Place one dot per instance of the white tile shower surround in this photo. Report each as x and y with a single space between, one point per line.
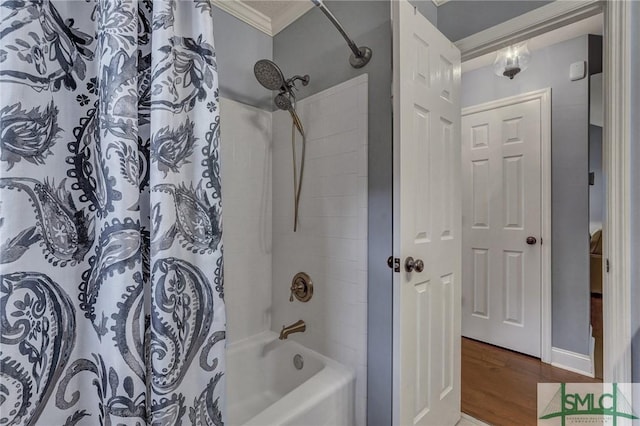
331 242
246 215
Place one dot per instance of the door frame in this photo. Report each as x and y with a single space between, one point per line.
616 158
616 152
544 95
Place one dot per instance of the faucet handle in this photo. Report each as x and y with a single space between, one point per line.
301 287
296 288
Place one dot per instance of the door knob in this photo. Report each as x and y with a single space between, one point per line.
411 264
531 240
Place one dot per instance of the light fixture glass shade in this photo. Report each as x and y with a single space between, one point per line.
512 60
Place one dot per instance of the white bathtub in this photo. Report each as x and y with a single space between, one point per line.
265 389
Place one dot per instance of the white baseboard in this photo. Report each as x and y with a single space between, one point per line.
572 361
466 419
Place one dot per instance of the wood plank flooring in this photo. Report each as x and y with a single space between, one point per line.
500 386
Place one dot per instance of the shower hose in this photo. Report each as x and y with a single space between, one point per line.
297 184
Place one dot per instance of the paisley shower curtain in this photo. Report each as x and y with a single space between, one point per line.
111 294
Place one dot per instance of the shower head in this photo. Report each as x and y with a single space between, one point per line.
269 75
282 101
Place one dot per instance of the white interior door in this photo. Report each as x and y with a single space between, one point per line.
502 222
427 221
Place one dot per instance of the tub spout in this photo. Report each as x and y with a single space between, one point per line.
297 327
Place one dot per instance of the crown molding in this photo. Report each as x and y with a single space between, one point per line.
293 12
526 26
439 2
259 20
246 13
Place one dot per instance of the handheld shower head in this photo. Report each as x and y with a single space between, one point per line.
283 102
269 75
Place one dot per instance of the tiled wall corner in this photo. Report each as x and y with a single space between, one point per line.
331 242
245 139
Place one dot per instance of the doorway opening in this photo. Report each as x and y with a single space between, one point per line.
530 220
422 69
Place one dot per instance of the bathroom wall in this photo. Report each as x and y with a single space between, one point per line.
331 242
238 47
312 45
570 190
245 158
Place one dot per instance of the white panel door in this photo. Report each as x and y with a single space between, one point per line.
427 220
502 223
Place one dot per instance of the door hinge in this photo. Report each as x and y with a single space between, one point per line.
394 263
607 265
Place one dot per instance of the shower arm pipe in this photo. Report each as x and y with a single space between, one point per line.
361 55
303 78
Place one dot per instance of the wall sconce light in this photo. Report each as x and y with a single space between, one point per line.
511 60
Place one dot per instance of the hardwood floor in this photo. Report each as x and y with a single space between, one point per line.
500 386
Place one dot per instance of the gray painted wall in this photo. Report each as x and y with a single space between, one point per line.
635 197
461 18
570 191
311 45
238 47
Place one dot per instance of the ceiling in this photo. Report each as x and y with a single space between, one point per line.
272 9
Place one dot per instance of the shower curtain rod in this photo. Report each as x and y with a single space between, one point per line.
361 55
